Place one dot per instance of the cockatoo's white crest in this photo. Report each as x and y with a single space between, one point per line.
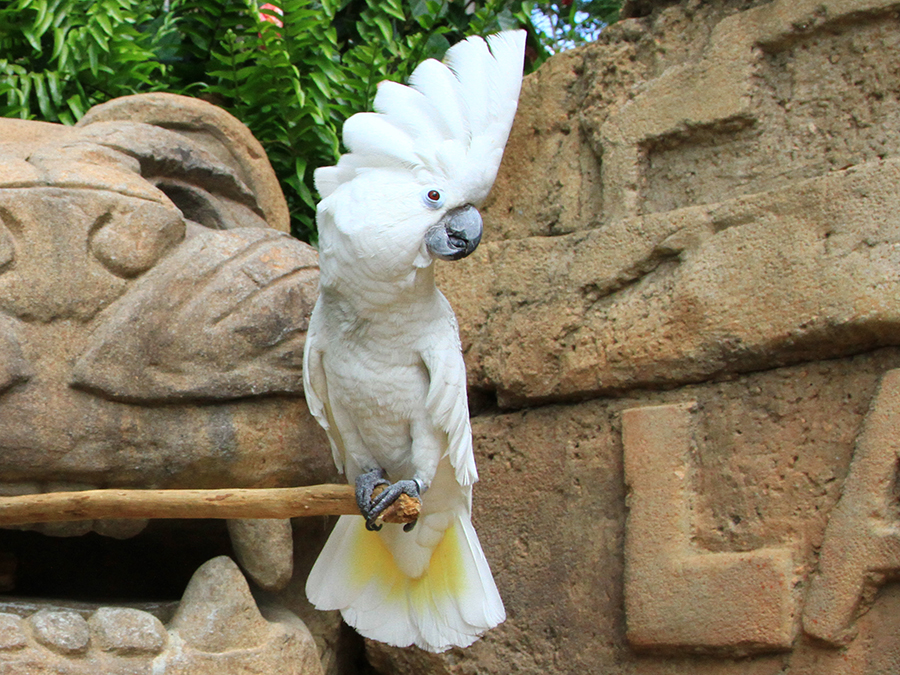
452 120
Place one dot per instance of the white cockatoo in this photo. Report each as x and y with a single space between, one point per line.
383 368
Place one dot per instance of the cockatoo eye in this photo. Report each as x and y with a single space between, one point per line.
433 198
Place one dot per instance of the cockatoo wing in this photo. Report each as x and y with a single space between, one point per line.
315 386
446 400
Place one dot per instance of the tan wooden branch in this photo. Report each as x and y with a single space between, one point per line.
313 500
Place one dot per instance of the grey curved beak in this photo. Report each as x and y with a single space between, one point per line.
456 235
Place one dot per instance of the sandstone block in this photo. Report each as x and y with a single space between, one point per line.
127 632
675 596
862 542
63 631
265 550
12 632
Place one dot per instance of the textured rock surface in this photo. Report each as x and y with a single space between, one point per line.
152 321
127 631
12 632
769 209
265 550
64 631
216 629
139 273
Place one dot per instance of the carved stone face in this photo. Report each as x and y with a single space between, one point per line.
151 320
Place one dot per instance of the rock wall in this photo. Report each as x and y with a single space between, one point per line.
681 335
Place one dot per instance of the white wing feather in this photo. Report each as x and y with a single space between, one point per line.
315 387
447 402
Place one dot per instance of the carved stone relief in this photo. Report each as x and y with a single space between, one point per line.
861 549
743 601
153 311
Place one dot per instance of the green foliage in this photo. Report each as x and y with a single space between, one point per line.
283 82
295 84
59 57
568 23
292 76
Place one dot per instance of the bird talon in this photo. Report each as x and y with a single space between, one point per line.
371 507
413 488
365 485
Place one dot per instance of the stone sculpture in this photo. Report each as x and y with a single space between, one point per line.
153 311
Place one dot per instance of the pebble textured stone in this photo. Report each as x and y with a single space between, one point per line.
128 632
61 630
12 632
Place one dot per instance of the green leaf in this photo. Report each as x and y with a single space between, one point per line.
93 59
300 165
53 86
76 106
384 25
24 96
42 14
33 39
394 9
40 90
100 40
103 20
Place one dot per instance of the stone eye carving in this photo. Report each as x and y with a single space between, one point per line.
218 302
131 243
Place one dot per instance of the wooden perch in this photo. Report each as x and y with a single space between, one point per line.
313 500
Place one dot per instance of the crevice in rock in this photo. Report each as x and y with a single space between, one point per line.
152 566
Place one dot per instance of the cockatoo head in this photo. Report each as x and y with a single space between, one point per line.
418 167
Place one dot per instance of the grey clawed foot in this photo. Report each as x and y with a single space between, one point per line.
370 510
365 485
413 488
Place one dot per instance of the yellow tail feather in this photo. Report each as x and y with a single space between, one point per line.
444 576
450 604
